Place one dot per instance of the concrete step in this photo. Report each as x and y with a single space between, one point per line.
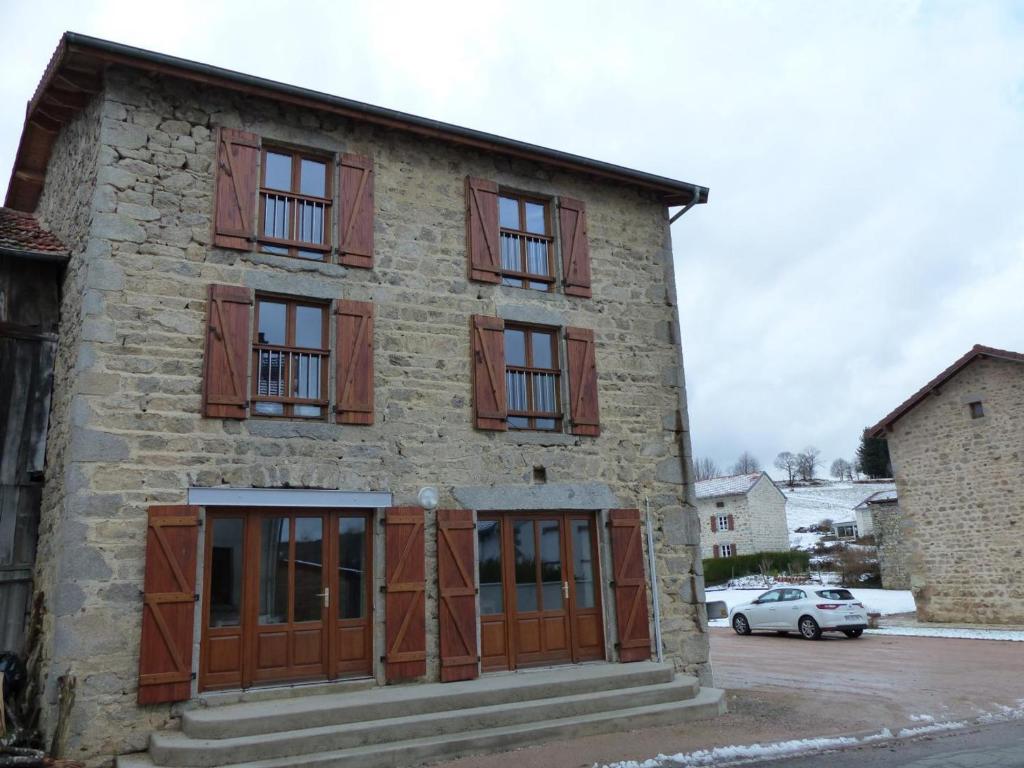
417 751
177 749
264 717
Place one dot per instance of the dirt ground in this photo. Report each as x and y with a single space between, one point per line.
786 688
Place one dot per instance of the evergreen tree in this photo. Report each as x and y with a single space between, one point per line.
873 457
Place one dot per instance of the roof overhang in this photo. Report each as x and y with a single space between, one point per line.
75 74
978 351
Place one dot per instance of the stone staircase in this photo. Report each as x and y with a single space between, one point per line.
414 724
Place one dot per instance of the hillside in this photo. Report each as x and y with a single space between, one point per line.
834 501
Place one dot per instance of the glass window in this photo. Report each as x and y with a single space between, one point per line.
295 205
226 571
583 563
290 359
525 565
770 597
532 379
273 570
515 346
488 536
313 178
278 173
525 243
352 568
551 564
272 323
309 568
535 218
508 212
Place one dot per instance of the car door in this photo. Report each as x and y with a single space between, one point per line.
790 608
762 611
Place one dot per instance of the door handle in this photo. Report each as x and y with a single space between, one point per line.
326 595
565 589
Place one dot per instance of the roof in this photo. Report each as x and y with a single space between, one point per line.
733 485
976 352
21 235
75 74
879 497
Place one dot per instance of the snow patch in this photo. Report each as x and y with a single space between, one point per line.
920 730
952 632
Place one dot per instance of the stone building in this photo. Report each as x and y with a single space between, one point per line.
741 515
957 449
346 397
879 516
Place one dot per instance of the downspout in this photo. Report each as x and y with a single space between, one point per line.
688 206
654 579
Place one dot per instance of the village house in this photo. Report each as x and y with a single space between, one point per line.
345 398
741 515
957 450
879 516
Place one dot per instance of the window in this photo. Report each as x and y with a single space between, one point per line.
770 597
526 242
295 204
726 550
977 411
720 504
793 594
290 358
532 376
723 522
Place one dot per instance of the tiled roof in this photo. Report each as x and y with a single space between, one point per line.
878 497
726 486
21 233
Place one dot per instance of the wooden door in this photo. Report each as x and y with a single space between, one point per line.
587 620
351 589
540 590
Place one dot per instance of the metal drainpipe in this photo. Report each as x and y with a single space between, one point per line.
654 579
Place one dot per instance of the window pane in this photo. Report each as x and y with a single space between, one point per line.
276 218
518 422
508 212
272 322
537 258
551 564
308 411
351 567
273 574
306 373
278 171
535 219
542 343
511 254
513 281
515 347
313 178
309 568
309 327
488 535
269 409
582 563
226 572
526 565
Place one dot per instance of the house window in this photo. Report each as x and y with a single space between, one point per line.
723 522
977 411
726 550
720 504
295 204
526 242
290 358
532 376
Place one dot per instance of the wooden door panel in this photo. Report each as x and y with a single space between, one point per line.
555 636
224 655
528 636
307 647
493 643
271 652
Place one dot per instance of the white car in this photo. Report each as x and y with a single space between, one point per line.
807 610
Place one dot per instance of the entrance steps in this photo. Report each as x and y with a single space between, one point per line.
415 724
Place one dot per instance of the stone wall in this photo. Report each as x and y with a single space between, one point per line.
961 489
893 560
130 433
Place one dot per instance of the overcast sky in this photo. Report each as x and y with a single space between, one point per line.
865 160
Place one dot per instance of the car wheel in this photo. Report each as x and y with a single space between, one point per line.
809 628
853 634
740 624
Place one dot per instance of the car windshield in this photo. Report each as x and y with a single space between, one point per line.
835 594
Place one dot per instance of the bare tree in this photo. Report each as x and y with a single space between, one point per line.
807 463
705 469
746 464
841 470
786 462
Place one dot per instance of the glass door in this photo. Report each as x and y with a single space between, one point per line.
541 627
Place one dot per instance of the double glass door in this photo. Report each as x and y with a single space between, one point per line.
287 596
539 589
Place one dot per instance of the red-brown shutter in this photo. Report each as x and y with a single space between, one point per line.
456 587
226 360
716 551
630 585
168 607
732 523
583 406
405 621
572 224
488 344
238 179
714 523
733 550
354 364
355 214
482 230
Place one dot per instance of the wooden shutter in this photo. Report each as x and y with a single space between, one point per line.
572 225
355 214
489 401
714 523
354 363
482 230
630 585
405 622
716 551
168 607
238 179
456 586
226 361
583 406
732 523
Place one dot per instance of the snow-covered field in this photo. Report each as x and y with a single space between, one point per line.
808 506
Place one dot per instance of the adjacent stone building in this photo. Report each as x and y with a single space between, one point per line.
879 516
957 449
349 397
741 515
